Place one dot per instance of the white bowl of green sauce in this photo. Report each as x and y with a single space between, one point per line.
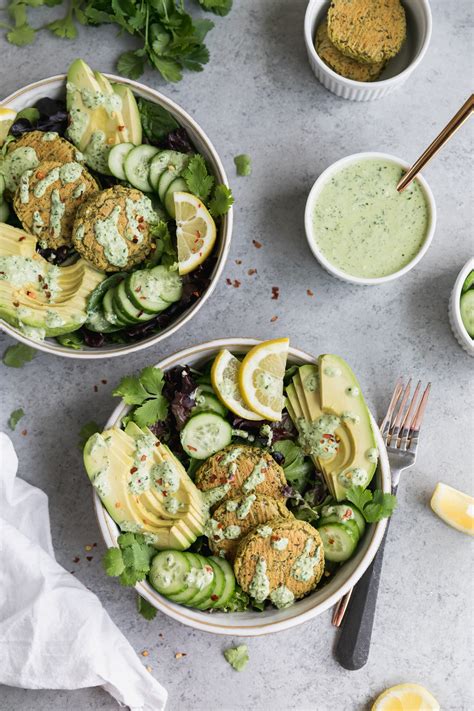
358 226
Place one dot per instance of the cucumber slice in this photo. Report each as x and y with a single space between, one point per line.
467 311
358 518
468 281
109 310
207 402
137 166
171 161
116 159
138 293
122 316
128 308
190 590
205 434
4 211
168 571
350 523
175 167
96 320
217 589
153 290
339 541
204 593
178 185
229 586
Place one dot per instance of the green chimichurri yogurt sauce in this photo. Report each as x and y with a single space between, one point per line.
363 226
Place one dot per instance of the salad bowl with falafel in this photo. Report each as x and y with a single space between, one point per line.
115 217
241 486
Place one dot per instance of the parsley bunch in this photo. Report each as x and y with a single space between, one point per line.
171 39
131 561
375 505
145 392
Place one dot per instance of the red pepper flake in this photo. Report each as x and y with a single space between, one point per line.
220 525
40 175
40 278
143 458
214 598
251 272
94 545
76 559
135 240
48 294
16 304
29 293
273 319
89 558
165 493
238 261
138 289
141 227
228 282
236 283
104 381
257 244
275 292
328 436
24 432
96 389
193 449
133 470
309 292
20 239
140 219
120 128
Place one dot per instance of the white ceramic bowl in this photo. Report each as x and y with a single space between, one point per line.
397 70
54 87
256 623
308 219
454 312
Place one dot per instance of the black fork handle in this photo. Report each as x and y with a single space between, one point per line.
353 646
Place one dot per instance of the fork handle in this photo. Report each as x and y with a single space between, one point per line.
352 649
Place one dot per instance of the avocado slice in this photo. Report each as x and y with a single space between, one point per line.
130 113
25 303
95 113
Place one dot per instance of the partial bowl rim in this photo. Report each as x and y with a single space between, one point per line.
317 186
286 618
226 230
314 6
457 324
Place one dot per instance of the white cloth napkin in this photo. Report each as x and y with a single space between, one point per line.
54 633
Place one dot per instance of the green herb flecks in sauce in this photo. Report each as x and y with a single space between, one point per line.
318 438
57 211
304 565
260 585
256 477
109 237
282 597
15 164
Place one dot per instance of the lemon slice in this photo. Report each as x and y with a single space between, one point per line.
406 697
454 507
261 378
195 231
7 117
225 381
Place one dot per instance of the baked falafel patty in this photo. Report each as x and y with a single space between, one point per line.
345 66
282 560
239 470
112 229
47 199
233 519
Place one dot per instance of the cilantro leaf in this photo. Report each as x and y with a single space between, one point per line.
22 35
221 201
145 609
16 356
219 7
131 64
130 576
168 68
165 251
157 122
237 657
112 562
71 340
131 390
128 539
197 177
152 380
87 431
137 557
381 507
359 496
151 411
15 417
63 27
243 164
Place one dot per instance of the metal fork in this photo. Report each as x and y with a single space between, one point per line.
400 431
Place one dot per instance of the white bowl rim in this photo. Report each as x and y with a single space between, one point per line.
456 303
333 168
205 621
182 320
395 80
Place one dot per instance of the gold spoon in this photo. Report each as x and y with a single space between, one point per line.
448 131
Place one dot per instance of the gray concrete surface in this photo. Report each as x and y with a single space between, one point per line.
259 96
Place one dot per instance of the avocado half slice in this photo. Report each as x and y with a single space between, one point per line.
330 393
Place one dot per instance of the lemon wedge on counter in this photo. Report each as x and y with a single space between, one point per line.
195 231
406 697
7 117
454 507
261 378
225 381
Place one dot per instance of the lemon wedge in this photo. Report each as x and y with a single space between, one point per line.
406 697
261 378
195 231
454 507
7 117
225 381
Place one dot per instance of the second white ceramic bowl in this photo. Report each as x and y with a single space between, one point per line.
398 69
54 87
251 624
308 219
454 312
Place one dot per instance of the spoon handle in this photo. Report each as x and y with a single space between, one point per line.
448 131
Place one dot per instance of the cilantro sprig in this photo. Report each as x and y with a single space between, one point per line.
200 183
375 505
145 392
15 417
130 562
171 39
145 609
17 356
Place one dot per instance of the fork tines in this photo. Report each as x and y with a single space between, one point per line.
401 425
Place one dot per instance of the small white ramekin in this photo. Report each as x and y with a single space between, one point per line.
454 311
397 71
308 219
